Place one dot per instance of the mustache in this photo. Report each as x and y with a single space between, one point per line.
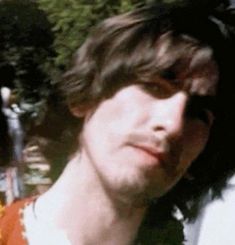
162 143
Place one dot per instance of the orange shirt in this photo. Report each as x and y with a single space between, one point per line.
11 225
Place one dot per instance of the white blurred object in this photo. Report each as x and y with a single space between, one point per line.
12 113
215 225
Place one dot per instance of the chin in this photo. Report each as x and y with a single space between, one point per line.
136 188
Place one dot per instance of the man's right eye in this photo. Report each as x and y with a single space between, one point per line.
152 87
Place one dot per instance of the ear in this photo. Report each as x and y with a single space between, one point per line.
78 111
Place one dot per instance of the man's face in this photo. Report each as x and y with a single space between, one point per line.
141 141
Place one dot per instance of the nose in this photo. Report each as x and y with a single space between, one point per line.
168 116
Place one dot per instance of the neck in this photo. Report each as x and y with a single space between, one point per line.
78 204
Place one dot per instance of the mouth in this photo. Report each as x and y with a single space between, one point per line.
152 151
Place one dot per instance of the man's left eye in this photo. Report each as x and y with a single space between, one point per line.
155 89
202 114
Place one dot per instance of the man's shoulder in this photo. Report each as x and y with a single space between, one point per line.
11 228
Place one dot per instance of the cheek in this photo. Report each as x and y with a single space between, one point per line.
117 116
103 127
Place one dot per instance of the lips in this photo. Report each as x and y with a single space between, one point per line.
151 150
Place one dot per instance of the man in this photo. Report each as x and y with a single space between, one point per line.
143 89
